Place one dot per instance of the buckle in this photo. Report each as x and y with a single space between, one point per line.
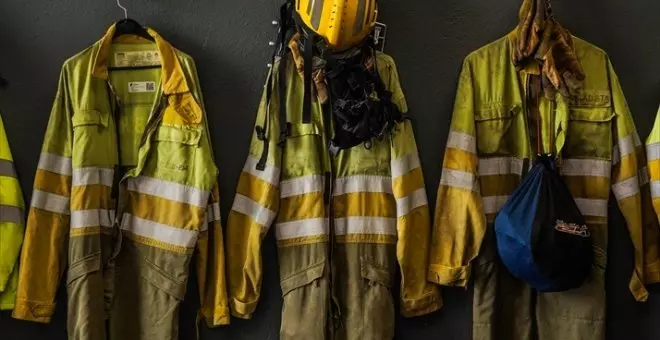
284 134
261 132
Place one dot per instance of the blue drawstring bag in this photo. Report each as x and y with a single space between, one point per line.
542 237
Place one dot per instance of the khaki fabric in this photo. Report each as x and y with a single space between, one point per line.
125 193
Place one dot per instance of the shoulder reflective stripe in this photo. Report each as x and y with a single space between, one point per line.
655 189
415 200
7 168
91 176
365 225
92 218
301 228
405 164
653 151
459 179
50 202
644 176
493 204
257 212
213 213
585 167
463 141
11 214
626 146
500 166
301 185
160 232
627 188
270 174
592 207
54 163
169 190
363 183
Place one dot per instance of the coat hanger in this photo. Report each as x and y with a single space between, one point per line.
129 26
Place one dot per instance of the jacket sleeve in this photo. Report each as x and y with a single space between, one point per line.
460 221
630 186
11 213
44 256
653 155
211 267
253 211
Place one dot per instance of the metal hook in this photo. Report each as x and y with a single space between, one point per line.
124 9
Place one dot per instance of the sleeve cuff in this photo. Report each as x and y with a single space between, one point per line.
426 304
242 310
33 311
215 317
447 276
637 288
652 273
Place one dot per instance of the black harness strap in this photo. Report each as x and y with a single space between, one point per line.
307 99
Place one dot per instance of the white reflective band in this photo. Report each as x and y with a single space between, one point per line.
493 204
462 141
626 146
655 189
653 151
91 176
585 167
92 218
592 207
363 183
644 176
50 202
459 179
627 188
159 232
415 200
212 213
365 225
270 174
257 212
405 164
500 166
301 186
303 228
54 163
169 190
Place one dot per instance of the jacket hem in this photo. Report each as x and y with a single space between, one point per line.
215 317
241 309
446 276
427 304
637 288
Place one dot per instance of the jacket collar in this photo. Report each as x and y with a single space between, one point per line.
173 78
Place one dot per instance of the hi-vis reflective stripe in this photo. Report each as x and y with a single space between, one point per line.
92 176
159 232
213 213
363 183
653 151
500 166
405 164
11 214
493 204
50 202
365 225
655 189
585 167
7 168
627 188
54 163
169 190
301 185
257 212
270 174
592 207
462 141
302 228
459 179
625 147
415 200
92 218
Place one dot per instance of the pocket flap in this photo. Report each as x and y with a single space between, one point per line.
181 135
159 278
303 278
303 129
89 117
595 114
83 267
496 111
376 273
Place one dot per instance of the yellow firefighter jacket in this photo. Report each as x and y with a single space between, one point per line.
124 193
653 155
489 144
11 223
335 280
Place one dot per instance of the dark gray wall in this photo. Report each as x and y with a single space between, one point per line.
228 39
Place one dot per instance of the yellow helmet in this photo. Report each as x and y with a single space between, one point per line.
342 23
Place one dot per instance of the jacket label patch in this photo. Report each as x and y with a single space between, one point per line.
591 99
141 86
137 59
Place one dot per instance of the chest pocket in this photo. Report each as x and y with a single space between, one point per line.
302 154
496 127
91 137
589 133
175 147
